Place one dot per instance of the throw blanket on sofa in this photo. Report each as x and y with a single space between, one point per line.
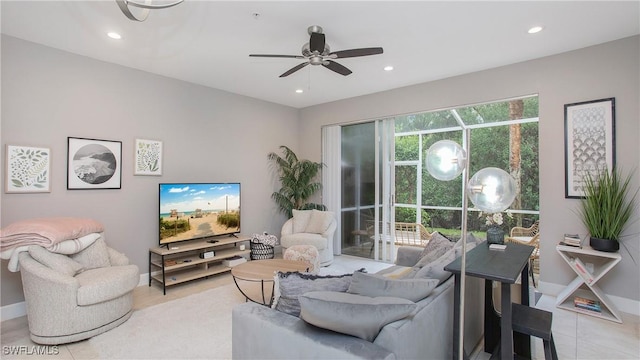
63 235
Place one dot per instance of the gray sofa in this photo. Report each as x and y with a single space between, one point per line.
260 332
75 297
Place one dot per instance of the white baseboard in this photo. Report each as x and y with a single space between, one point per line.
13 311
623 304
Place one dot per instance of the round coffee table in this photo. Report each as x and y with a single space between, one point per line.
263 271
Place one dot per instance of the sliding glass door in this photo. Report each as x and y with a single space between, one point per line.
367 191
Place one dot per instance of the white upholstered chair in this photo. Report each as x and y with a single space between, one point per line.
75 297
311 227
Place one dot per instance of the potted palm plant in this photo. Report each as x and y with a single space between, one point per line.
297 178
607 208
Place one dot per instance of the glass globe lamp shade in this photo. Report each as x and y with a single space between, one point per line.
491 190
445 160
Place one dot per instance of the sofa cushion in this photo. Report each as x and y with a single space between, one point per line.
437 246
319 221
376 285
289 286
356 315
301 220
103 284
94 256
58 262
304 239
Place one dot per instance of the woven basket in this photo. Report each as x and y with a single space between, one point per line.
260 251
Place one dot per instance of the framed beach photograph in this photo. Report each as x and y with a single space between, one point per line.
28 169
589 142
93 164
148 157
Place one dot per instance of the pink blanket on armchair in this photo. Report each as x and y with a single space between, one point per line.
46 231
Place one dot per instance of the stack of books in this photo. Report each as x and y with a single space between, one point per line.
581 269
587 304
571 240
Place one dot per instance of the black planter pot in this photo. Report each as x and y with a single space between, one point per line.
495 235
604 244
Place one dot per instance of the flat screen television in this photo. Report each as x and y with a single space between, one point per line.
191 211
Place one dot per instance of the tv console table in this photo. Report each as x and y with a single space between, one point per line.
181 262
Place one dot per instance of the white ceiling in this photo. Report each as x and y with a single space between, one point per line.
208 42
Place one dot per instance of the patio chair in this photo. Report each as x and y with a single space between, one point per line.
528 236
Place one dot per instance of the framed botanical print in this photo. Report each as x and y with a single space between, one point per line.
148 157
28 169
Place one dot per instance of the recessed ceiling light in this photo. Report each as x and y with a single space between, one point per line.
388 68
535 29
299 91
114 35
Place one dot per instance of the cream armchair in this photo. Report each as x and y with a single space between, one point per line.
311 227
75 297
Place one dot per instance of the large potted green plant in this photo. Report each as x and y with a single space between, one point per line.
297 178
607 208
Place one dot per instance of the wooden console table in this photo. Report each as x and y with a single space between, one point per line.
181 262
602 262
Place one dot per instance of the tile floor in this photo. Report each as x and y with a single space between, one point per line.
577 336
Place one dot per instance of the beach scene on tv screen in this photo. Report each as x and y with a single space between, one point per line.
189 211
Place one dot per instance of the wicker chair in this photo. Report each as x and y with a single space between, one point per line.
406 234
411 234
516 236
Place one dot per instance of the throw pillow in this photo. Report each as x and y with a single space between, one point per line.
374 285
58 262
290 285
437 246
395 272
435 269
319 221
300 220
351 314
94 256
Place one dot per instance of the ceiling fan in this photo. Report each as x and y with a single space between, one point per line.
317 52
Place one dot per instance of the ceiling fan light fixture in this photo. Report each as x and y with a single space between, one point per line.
146 7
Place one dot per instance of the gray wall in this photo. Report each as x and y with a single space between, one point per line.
208 135
608 70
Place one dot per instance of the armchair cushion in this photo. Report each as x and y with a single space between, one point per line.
304 239
319 221
352 314
301 220
58 262
107 283
377 285
94 256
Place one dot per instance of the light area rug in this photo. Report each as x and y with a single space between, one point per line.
194 327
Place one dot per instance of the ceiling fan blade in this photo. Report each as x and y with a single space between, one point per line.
334 66
278 56
356 52
316 42
294 69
